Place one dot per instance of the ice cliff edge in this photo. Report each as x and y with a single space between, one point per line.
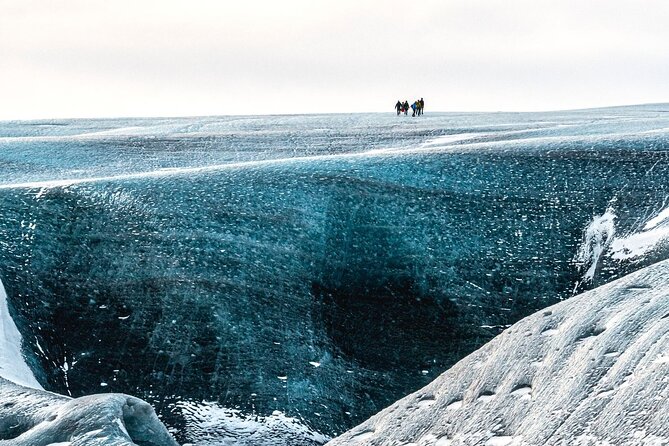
592 370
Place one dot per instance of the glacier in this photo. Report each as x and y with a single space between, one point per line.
591 370
280 279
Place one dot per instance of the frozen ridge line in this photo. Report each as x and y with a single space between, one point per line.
171 171
590 371
456 142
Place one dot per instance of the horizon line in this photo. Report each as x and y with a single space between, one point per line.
81 118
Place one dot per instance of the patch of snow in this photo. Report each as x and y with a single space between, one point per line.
455 405
661 217
499 441
12 363
638 244
450 139
661 359
425 402
600 238
597 237
486 397
363 436
523 392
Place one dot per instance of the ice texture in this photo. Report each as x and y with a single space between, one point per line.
213 425
591 370
211 262
30 417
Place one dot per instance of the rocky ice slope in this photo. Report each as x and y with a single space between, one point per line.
592 370
29 416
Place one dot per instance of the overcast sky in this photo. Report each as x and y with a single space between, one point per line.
85 58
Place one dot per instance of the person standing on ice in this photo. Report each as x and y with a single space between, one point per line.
398 107
414 106
421 106
405 106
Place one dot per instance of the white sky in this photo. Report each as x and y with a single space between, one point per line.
85 58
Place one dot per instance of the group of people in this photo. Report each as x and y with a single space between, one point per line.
416 107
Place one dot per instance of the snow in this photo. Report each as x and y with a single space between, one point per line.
500 441
450 139
12 363
598 236
638 244
600 379
661 217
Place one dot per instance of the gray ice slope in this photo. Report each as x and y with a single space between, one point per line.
592 370
30 417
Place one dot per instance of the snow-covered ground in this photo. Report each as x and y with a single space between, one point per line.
592 370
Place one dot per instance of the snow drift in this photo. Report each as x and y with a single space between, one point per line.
591 370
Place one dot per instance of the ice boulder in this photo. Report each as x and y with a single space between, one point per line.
30 417
592 370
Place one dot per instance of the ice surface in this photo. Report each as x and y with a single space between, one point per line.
30 417
235 428
600 379
211 262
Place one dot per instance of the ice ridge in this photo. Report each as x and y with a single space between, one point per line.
30 417
591 370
